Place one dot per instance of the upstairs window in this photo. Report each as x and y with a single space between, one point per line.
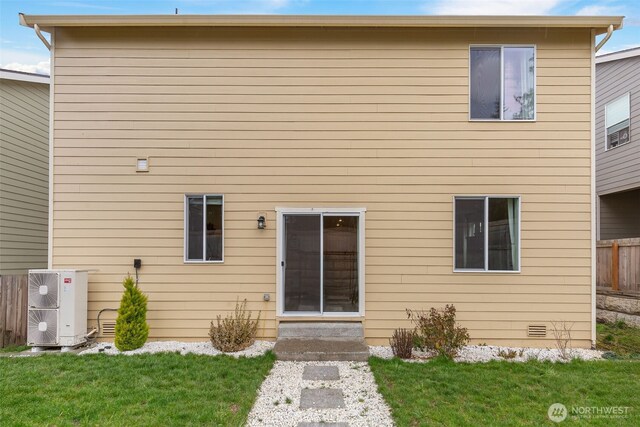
203 237
617 121
502 83
487 234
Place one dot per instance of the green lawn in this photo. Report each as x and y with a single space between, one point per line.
619 338
504 393
153 390
14 348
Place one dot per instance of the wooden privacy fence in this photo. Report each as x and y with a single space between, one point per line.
618 265
13 310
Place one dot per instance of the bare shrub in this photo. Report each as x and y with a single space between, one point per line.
235 332
436 330
562 335
508 354
402 343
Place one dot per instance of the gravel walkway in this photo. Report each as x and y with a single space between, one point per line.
486 353
257 349
350 400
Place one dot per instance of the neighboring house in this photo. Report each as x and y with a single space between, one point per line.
24 171
330 168
618 144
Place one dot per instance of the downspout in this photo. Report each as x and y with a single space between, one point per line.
46 42
604 40
594 197
36 28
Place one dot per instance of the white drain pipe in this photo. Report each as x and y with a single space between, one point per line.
606 38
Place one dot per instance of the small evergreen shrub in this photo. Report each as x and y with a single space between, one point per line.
131 325
401 343
235 332
437 331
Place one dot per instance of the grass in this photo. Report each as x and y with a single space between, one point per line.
619 338
160 389
14 348
441 392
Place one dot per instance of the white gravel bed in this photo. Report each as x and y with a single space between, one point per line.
278 402
486 353
257 349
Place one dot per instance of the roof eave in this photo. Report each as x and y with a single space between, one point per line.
47 22
23 77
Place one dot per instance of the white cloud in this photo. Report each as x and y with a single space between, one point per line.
605 51
237 6
491 7
598 10
276 4
24 60
43 67
82 5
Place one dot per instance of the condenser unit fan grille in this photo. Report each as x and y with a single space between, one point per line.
43 327
43 290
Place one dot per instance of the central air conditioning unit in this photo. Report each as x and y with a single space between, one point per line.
57 308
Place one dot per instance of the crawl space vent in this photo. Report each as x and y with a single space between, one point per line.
108 328
537 331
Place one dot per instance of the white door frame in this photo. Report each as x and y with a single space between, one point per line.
360 213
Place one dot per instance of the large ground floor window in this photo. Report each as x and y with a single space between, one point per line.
487 233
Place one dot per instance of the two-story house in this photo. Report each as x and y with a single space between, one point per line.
617 144
330 168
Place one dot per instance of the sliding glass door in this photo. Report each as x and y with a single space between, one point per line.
321 263
302 269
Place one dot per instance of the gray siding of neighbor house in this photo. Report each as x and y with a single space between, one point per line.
618 169
24 171
620 215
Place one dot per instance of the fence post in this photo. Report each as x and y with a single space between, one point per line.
615 270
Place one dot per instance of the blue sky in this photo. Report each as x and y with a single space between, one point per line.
20 48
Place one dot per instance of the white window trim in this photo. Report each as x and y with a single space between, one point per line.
186 230
486 240
606 125
280 211
535 83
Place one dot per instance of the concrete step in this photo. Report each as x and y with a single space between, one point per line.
331 330
322 349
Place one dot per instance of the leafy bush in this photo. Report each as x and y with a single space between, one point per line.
402 343
236 331
131 325
436 330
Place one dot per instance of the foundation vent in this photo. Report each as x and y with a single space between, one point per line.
537 331
108 329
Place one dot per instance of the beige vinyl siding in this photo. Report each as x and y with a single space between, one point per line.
318 118
24 175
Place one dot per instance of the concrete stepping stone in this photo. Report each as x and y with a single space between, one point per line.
320 373
307 424
321 398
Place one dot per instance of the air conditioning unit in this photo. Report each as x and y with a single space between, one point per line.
57 308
